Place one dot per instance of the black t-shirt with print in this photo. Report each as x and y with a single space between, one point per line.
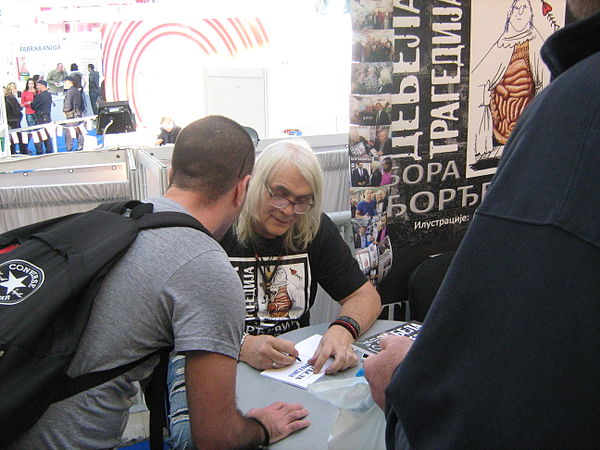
285 306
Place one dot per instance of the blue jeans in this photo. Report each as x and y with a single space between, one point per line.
180 433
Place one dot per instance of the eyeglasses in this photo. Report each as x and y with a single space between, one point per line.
282 202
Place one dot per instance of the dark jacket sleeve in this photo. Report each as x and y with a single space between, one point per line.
508 354
36 103
67 103
13 111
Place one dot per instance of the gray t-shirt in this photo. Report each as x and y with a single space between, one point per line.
174 286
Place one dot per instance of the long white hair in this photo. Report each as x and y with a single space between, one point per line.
277 156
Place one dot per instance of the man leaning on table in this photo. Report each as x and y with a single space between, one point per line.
508 355
283 246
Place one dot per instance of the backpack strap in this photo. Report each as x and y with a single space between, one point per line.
155 394
165 219
122 206
89 380
21 234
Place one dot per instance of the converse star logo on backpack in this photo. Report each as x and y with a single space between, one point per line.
20 279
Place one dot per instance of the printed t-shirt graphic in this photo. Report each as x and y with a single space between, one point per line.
285 300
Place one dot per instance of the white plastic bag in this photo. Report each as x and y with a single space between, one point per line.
360 423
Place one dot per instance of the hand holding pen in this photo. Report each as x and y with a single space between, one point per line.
268 352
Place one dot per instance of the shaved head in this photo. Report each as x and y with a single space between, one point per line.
211 155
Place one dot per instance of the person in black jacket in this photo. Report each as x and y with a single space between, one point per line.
42 104
375 178
79 83
359 176
381 116
508 353
13 115
94 87
72 109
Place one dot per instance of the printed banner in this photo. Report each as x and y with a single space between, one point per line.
437 87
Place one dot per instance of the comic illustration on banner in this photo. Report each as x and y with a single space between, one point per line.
436 91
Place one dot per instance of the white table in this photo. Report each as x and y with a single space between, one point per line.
255 391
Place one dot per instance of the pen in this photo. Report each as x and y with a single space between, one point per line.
287 354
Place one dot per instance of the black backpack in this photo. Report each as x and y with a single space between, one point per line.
50 273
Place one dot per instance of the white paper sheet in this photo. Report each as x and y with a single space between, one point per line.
300 374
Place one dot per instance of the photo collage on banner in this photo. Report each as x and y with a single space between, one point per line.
369 137
436 89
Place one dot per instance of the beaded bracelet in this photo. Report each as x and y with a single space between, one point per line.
347 325
265 443
352 322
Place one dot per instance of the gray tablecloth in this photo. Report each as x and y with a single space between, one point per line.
255 391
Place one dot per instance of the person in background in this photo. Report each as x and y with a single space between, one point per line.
42 103
56 78
381 202
386 176
191 298
367 117
383 144
371 81
370 240
360 238
27 97
375 178
353 202
381 229
13 115
385 81
72 109
366 207
168 132
289 244
79 83
76 75
359 176
94 87
381 116
509 359
358 145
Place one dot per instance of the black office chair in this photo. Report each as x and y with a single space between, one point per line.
424 282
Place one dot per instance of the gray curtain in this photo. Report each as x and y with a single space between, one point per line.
336 188
337 180
24 205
